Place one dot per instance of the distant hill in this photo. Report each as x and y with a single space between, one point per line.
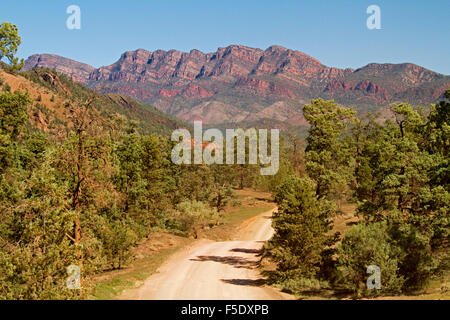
76 70
51 91
239 83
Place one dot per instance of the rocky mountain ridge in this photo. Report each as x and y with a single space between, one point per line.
240 83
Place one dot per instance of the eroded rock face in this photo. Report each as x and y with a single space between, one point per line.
264 88
366 87
76 70
239 77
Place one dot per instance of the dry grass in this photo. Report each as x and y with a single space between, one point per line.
252 203
343 221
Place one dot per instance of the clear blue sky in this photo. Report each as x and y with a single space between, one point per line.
333 32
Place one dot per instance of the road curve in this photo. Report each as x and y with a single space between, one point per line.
214 270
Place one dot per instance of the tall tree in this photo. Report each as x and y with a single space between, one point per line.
9 44
328 155
84 161
301 225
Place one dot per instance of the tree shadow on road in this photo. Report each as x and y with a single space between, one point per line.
237 262
246 282
246 250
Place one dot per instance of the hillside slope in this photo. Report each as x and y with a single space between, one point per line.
52 91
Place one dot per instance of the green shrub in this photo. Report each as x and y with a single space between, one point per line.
296 284
6 88
192 216
118 238
417 264
28 274
365 245
221 197
236 203
36 251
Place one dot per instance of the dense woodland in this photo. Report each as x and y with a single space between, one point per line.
396 171
86 195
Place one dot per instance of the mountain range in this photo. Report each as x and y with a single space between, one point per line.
239 83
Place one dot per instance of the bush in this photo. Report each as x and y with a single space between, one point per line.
6 88
365 245
417 264
192 216
298 284
29 274
118 238
221 197
35 250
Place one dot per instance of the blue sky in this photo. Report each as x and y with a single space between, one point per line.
334 32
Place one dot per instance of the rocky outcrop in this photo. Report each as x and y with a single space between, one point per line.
264 88
238 78
366 87
76 70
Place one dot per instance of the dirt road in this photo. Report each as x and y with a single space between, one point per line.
214 270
